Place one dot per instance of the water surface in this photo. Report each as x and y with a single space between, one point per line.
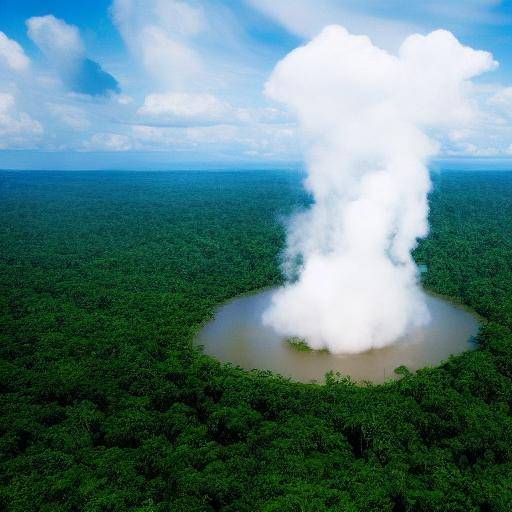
237 335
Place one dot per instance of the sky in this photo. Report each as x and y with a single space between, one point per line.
157 84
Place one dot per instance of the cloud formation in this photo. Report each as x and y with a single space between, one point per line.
192 73
17 129
159 34
387 23
63 47
183 109
108 142
12 55
369 120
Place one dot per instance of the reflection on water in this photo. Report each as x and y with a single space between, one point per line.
237 335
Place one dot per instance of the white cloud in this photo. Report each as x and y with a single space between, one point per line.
168 59
158 33
306 18
262 141
65 51
489 132
108 142
69 115
17 129
366 116
55 38
203 109
502 100
191 46
12 54
180 17
185 109
196 68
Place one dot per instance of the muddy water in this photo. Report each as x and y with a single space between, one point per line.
237 335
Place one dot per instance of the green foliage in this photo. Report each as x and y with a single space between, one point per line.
298 344
107 405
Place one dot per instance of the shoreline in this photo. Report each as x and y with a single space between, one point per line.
362 383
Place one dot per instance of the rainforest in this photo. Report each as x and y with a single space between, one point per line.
107 405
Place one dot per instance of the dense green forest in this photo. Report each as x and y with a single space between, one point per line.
107 405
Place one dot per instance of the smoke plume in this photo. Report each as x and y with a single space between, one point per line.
369 122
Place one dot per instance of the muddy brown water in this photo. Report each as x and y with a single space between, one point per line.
237 335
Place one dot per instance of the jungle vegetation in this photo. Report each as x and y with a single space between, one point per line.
106 405
298 344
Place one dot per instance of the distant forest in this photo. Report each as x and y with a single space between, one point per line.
106 405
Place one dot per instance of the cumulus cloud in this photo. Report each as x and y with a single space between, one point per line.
12 54
63 47
191 45
17 129
158 33
184 109
203 109
55 38
369 119
489 132
193 77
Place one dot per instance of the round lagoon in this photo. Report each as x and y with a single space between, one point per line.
237 335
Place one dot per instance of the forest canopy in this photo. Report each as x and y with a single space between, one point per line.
108 406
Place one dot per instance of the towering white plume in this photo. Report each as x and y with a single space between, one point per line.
368 121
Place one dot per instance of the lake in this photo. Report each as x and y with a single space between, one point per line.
237 335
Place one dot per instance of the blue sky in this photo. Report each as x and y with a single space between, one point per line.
173 84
